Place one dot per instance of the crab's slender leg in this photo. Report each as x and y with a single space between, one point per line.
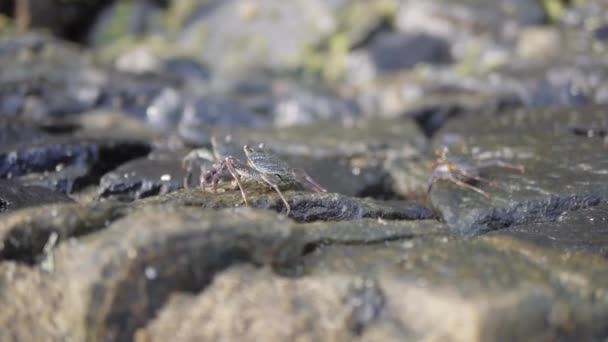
476 177
302 175
276 188
187 178
468 186
430 183
230 163
502 164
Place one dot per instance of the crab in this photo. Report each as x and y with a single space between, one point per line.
460 171
262 167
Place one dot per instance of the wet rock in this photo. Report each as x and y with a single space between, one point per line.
25 234
150 98
394 51
538 43
138 61
188 69
325 140
272 34
305 206
14 195
418 289
356 177
301 106
289 101
131 268
409 174
564 171
49 81
27 297
310 309
201 116
120 20
76 162
577 231
158 173
464 276
452 19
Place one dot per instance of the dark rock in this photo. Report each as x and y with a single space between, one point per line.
305 207
187 69
273 35
325 140
203 115
583 230
136 20
346 177
417 290
158 173
394 51
18 283
76 162
367 302
458 19
297 105
601 33
135 265
564 172
14 195
149 98
25 233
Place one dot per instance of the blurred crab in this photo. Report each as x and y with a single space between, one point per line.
262 166
460 171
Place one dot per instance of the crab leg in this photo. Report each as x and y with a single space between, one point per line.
276 188
468 186
300 174
477 178
229 162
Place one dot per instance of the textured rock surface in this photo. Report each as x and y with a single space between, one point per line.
564 171
305 206
98 242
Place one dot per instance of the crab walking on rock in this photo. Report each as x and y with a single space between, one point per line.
456 169
262 166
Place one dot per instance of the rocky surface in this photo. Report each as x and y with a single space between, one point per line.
99 241
564 171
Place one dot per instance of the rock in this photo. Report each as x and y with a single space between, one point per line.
271 34
370 137
28 298
187 69
351 177
464 276
150 98
305 310
577 231
119 21
25 233
138 61
405 290
305 206
14 195
538 43
75 162
130 269
395 51
564 171
298 105
453 19
158 173
201 116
